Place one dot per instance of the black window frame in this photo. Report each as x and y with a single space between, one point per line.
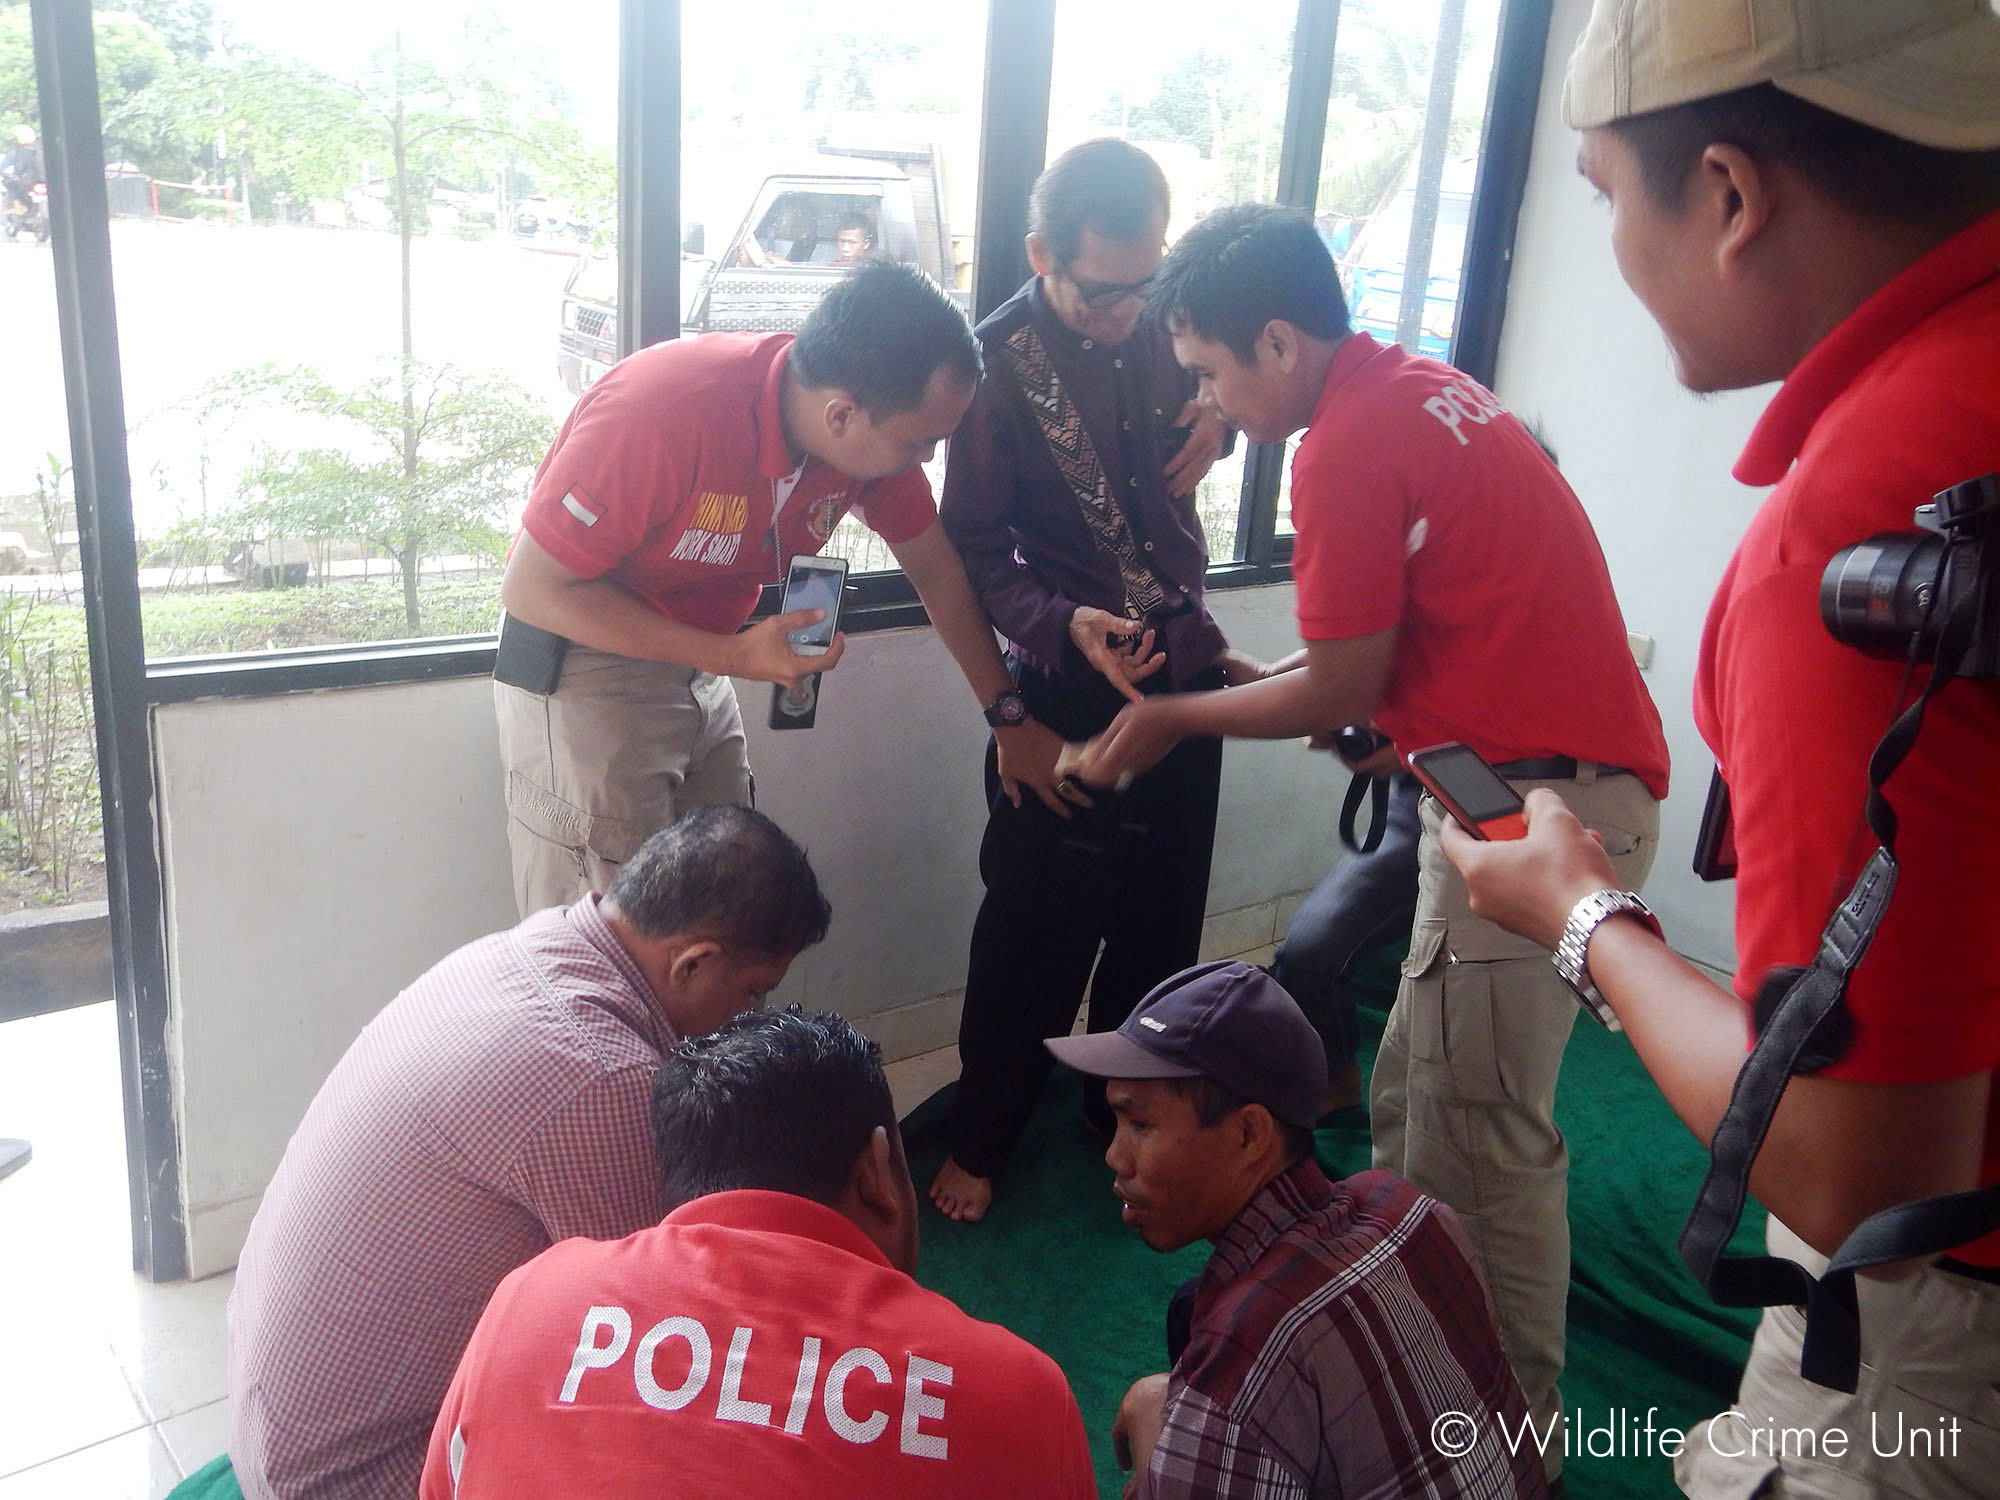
126 688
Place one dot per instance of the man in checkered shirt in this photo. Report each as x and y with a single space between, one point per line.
496 1106
1341 1341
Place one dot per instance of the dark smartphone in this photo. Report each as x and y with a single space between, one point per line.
810 583
1715 841
529 657
1471 791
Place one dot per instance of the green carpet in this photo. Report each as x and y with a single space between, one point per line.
1054 1263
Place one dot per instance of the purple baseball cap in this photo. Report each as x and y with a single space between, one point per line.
1227 1022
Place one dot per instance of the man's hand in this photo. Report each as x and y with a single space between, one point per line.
1028 752
1108 644
1136 1429
764 654
1528 885
1198 454
1138 739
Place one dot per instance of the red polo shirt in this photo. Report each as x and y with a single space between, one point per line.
1898 402
751 1344
665 480
1422 505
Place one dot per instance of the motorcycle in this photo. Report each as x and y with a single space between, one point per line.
28 211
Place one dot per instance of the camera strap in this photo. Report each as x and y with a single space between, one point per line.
1804 1029
1375 791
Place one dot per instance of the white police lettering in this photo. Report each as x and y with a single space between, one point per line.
731 1407
1456 405
590 1355
700 1357
918 1405
838 1416
852 1412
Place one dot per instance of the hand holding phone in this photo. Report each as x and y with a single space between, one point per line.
810 583
1471 790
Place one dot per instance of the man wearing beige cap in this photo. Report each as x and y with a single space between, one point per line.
1811 192
1340 1341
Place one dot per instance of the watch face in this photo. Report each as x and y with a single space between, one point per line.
1007 710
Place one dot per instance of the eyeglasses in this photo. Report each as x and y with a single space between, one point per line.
1098 295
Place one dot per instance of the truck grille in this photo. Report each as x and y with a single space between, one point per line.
593 322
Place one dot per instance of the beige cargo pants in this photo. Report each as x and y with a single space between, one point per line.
1462 1100
618 751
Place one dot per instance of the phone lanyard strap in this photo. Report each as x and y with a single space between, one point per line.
1803 1027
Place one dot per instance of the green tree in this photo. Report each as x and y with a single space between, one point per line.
131 56
419 459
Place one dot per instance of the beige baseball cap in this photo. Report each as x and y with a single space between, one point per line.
1925 70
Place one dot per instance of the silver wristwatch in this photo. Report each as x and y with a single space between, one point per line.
1573 951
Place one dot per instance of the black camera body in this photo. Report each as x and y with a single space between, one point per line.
1898 588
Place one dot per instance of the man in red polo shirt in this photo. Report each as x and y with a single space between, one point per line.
766 1338
1449 588
683 482
1819 204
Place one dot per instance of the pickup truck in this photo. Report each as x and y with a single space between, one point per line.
783 256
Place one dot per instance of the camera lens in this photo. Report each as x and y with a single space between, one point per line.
1876 594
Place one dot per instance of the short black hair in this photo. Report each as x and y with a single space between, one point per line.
728 874
1212 1101
771 1099
880 334
1867 171
1244 265
1106 185
856 221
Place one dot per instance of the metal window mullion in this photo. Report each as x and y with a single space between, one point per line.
1512 102
1013 143
649 172
73 147
1310 92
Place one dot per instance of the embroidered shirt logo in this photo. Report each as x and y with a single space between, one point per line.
578 509
825 514
715 535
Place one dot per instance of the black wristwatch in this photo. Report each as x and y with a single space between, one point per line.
1007 710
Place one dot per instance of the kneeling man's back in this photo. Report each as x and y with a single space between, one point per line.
767 1337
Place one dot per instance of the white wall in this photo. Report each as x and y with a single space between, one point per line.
1580 358
323 849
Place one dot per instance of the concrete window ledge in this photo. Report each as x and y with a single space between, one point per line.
54 959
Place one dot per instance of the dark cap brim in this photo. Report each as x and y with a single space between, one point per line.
1109 1054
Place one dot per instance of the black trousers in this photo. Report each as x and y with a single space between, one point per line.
1129 876
1363 902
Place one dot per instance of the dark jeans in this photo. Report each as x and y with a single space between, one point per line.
1129 874
1364 901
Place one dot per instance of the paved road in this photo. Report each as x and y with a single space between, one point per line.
196 301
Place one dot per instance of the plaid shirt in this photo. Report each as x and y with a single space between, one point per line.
1335 1323
497 1105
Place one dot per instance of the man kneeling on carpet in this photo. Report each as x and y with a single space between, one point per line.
766 1339
1341 1340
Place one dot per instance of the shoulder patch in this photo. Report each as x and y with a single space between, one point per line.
578 509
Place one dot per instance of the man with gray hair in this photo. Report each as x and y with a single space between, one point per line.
497 1105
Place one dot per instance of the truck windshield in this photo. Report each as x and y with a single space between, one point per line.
595 279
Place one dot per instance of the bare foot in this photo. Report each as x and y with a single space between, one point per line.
959 1195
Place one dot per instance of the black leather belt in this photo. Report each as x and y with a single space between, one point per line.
1551 768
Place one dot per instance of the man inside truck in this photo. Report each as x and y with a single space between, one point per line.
682 483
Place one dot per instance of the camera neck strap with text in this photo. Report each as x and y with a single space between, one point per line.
1803 1027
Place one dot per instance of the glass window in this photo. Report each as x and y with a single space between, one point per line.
1208 103
1402 153
51 827
827 134
340 240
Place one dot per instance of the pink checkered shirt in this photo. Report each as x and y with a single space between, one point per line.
497 1105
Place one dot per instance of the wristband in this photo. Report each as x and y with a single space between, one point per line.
1572 953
